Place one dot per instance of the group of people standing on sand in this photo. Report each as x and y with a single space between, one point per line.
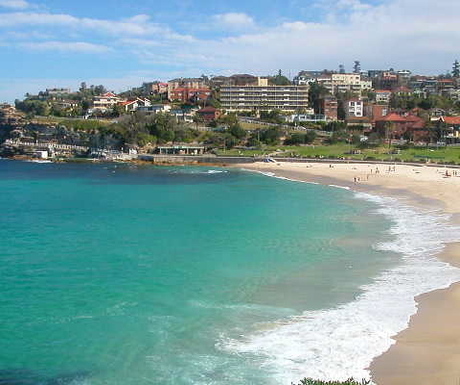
454 173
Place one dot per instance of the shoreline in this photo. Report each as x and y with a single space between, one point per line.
428 350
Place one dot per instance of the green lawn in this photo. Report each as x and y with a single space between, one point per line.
441 155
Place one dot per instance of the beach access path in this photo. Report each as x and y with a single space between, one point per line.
428 351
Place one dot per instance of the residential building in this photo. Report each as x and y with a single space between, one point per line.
65 104
382 96
190 95
354 108
388 80
264 97
335 82
244 80
376 111
209 113
133 105
154 109
184 115
329 107
105 102
193 83
402 127
57 91
450 129
155 88
306 118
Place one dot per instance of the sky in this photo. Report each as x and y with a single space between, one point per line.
60 43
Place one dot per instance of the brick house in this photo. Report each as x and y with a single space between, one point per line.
190 95
209 113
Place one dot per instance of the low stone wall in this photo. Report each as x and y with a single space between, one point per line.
155 158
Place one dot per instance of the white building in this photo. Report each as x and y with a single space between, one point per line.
336 82
354 108
134 105
106 102
154 109
264 97
382 96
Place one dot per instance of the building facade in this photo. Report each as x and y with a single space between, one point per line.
106 102
264 98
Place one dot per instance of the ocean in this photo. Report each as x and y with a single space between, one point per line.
127 274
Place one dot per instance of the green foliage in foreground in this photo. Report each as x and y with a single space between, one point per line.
350 381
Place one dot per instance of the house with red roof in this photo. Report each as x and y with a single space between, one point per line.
133 105
190 95
450 127
408 127
209 113
105 102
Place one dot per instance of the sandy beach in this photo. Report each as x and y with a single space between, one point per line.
428 352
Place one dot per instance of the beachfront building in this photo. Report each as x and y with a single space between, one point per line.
180 150
264 97
408 127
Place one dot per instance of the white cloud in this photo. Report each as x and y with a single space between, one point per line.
139 25
233 20
14 4
397 33
394 33
81 47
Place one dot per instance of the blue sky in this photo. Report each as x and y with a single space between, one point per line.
52 43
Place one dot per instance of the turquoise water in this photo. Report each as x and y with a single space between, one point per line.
121 274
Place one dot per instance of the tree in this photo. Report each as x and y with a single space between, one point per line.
237 131
270 136
280 79
99 90
456 69
301 138
357 67
341 69
316 92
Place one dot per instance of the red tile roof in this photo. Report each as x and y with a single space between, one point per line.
207 109
451 119
392 117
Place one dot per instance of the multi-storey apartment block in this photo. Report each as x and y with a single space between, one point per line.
264 97
335 82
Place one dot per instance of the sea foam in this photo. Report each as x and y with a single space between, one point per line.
341 342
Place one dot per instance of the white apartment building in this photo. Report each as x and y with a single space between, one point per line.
264 97
382 96
336 82
354 108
